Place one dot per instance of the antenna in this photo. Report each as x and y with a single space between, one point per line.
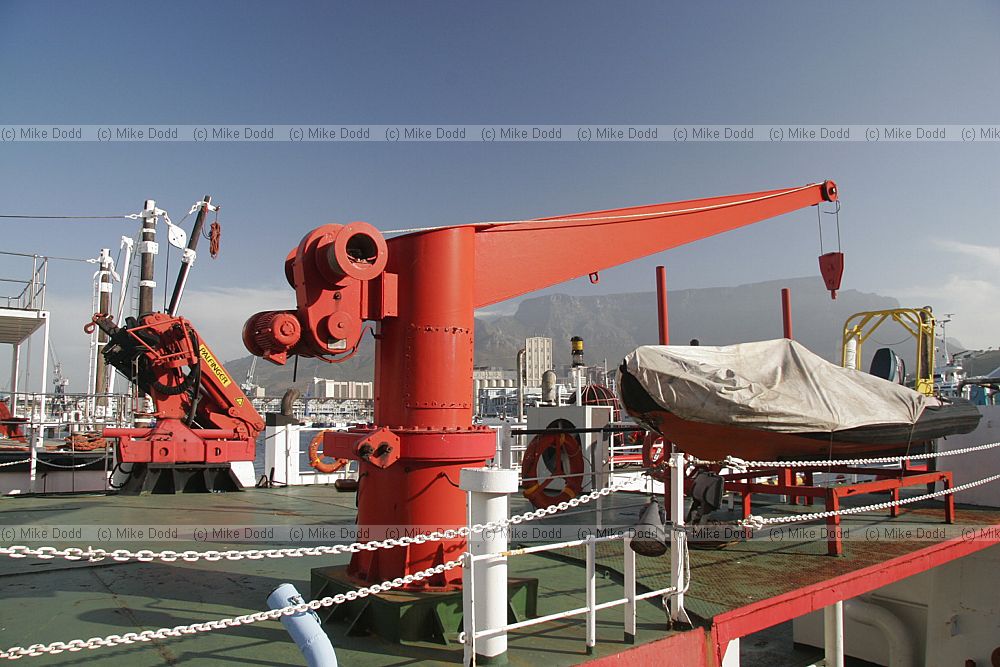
944 334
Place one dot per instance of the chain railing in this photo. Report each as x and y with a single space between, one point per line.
169 556
737 463
124 555
54 648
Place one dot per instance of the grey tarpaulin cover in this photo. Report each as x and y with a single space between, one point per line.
774 385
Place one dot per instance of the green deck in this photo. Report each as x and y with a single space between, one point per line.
48 601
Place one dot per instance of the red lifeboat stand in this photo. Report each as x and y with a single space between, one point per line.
887 480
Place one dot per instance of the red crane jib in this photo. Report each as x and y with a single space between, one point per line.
422 289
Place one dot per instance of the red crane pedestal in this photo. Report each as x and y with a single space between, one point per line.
423 375
422 289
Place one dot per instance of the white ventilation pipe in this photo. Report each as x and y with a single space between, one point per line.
304 627
851 353
897 636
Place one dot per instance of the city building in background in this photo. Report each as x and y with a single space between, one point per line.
537 359
323 388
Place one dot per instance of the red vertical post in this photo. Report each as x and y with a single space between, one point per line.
786 312
661 305
834 547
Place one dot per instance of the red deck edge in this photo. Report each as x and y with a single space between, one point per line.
691 648
684 649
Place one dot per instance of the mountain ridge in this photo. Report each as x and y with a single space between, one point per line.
614 324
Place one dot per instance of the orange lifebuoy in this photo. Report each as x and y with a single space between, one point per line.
316 462
655 450
553 446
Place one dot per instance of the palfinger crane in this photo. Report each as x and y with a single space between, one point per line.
203 421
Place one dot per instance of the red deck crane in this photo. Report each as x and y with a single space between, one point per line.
203 420
422 290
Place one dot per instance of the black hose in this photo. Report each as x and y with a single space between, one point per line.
149 379
196 373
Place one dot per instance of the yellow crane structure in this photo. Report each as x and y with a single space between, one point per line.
919 322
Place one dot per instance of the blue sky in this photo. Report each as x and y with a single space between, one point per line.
919 221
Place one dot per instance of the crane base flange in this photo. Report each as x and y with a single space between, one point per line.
405 617
149 478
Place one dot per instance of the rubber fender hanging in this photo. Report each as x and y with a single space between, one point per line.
317 463
559 444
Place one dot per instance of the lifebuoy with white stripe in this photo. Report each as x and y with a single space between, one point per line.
562 454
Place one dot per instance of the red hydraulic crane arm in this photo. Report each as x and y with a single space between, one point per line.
515 258
224 404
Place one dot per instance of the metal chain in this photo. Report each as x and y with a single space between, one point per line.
168 556
757 522
17 652
14 463
69 467
741 464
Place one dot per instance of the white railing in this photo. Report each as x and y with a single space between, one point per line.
485 593
68 421
26 294
629 599
73 411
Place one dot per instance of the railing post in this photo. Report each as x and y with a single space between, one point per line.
487 502
30 288
600 467
678 540
45 279
15 370
45 375
34 443
506 447
629 592
591 595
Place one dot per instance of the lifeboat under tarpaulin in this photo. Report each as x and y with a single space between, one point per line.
777 400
